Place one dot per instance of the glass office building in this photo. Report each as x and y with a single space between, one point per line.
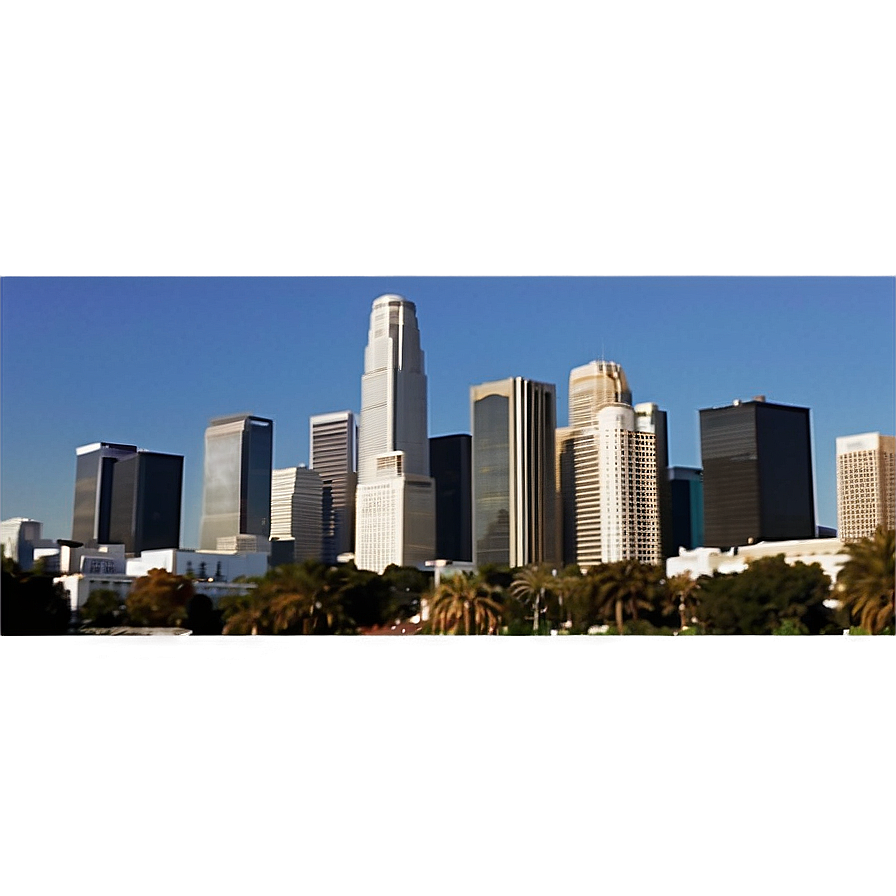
93 490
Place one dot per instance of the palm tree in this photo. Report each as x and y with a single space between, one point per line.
464 604
626 584
866 582
679 595
306 599
532 583
246 614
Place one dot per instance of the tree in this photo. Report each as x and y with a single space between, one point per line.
103 607
680 596
766 595
202 617
32 604
626 585
246 614
532 585
866 582
465 605
306 599
159 599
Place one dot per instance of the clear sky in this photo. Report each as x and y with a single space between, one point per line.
201 200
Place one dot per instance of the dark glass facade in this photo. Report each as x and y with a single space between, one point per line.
686 498
237 492
491 423
92 514
757 474
146 498
449 466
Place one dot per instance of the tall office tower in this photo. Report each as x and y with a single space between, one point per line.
146 495
334 455
236 498
449 463
686 494
866 481
93 490
296 502
649 418
627 503
566 492
514 492
395 499
757 473
593 386
610 511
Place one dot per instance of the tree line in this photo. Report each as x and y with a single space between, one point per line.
769 597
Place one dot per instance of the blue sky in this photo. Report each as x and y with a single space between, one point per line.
201 200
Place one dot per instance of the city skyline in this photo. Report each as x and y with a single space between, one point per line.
703 193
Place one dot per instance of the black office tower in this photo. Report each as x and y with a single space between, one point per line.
93 490
449 465
757 473
146 494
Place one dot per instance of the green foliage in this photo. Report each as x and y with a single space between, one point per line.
103 607
867 582
465 605
159 599
791 627
768 593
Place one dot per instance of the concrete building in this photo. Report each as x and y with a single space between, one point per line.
23 542
202 566
450 464
610 511
757 473
333 440
828 553
296 511
236 498
866 482
515 521
395 499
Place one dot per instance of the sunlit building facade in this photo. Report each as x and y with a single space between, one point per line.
866 481
333 440
515 506
236 498
296 502
395 498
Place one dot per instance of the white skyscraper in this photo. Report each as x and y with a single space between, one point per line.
607 470
296 498
866 481
395 503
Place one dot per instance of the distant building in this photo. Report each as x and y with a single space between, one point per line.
334 455
611 465
127 496
146 498
449 463
515 521
296 502
395 499
92 515
686 498
23 542
757 473
236 498
866 482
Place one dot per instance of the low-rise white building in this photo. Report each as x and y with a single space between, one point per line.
205 566
828 553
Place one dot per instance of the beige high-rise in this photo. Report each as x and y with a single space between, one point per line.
866 481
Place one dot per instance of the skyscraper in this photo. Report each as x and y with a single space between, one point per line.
395 499
866 481
236 498
686 498
514 494
449 463
146 496
93 490
608 470
334 455
296 500
757 473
